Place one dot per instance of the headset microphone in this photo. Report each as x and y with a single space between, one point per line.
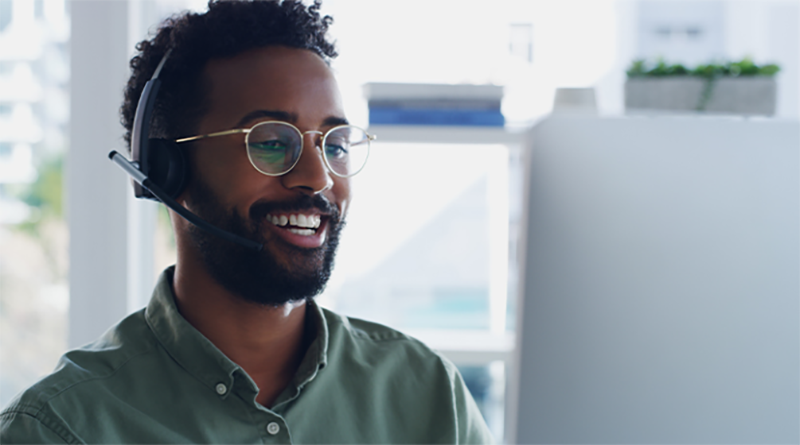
159 168
146 182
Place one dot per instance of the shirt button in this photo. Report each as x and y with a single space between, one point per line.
273 428
221 388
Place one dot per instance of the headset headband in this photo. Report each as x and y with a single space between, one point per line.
140 135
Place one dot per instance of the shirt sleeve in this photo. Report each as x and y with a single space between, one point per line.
21 427
472 428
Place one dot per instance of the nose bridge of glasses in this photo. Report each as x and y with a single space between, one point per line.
316 137
316 140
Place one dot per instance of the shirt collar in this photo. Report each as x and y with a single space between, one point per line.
317 354
198 356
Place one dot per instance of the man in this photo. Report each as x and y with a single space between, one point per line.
232 347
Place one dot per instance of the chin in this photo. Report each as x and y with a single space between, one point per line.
277 275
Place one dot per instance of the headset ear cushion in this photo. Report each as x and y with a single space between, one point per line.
169 168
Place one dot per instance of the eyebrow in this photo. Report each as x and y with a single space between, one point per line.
333 121
330 121
274 114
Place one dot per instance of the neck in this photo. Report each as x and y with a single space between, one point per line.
267 342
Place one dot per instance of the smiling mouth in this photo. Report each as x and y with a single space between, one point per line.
304 224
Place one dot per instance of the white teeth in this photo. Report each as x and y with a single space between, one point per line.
278 220
306 232
298 220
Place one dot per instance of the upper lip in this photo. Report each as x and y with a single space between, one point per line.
304 204
306 212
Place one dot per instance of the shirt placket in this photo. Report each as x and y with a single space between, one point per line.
274 428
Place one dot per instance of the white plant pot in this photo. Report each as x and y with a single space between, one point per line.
728 95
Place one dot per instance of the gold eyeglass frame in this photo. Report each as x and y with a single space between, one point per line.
247 131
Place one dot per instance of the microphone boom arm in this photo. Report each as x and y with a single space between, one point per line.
130 168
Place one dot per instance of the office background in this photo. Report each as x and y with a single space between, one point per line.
62 67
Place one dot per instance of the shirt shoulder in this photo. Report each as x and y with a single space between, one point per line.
423 387
37 414
374 342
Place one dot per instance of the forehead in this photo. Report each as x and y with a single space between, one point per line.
276 78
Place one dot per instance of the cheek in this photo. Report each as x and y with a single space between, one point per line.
342 193
226 172
220 163
223 164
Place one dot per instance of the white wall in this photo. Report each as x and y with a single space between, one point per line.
96 191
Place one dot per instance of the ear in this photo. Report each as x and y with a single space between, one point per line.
168 166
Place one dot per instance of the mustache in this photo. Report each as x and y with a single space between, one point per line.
261 209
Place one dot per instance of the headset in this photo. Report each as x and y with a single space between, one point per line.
159 168
163 160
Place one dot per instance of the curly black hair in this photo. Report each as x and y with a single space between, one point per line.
228 28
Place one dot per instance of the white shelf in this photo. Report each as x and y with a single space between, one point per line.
446 134
467 347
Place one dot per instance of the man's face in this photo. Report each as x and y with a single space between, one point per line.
268 84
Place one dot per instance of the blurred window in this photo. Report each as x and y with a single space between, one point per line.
521 41
5 14
33 235
421 215
425 251
694 32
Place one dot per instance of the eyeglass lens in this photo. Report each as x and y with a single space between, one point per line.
346 150
274 148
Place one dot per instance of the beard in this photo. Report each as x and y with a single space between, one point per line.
259 276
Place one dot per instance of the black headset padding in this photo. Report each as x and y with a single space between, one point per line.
167 166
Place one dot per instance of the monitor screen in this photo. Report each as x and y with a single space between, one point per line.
661 280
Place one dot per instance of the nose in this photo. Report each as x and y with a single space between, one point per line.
310 175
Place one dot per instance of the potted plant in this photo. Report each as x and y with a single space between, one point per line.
731 88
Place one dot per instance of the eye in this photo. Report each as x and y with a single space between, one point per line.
270 151
269 146
336 146
335 151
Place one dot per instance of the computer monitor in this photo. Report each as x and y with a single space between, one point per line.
661 275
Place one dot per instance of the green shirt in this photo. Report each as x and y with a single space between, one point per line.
153 378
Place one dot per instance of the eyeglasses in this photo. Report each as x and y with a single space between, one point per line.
274 148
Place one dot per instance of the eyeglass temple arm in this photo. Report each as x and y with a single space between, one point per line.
212 135
371 137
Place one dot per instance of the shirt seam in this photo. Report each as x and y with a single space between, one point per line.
397 336
11 412
381 336
47 401
253 420
376 332
166 347
454 397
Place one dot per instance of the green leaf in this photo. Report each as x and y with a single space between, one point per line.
769 70
744 67
637 68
